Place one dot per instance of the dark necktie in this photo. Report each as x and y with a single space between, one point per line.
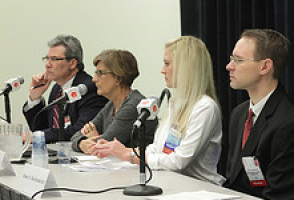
56 111
247 127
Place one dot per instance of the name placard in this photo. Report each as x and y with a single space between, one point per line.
36 178
5 165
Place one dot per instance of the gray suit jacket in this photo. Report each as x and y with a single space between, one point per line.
121 125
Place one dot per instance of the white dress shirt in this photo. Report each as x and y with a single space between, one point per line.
199 151
257 108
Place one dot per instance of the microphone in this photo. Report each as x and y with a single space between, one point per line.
70 95
147 110
12 84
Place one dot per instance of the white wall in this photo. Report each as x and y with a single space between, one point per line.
140 26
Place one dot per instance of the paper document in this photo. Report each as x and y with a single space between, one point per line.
93 163
200 195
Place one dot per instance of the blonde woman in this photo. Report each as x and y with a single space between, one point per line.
188 140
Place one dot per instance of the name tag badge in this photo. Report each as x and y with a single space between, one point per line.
67 121
173 140
253 171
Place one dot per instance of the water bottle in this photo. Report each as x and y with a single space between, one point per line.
39 152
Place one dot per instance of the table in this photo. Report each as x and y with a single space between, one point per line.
169 182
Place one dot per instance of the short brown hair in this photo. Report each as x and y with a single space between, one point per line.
122 63
270 44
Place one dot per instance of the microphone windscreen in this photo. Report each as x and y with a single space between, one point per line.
20 79
82 89
155 98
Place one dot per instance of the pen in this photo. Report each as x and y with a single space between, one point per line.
37 86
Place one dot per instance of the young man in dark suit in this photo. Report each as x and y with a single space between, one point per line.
261 148
64 65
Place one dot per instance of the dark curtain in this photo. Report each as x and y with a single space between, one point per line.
219 24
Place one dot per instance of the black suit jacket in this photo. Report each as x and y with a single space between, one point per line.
80 112
271 141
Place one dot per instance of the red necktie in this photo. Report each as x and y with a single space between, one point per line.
247 128
56 111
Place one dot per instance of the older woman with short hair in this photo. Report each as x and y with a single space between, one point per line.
115 72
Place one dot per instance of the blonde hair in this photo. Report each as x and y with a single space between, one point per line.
193 75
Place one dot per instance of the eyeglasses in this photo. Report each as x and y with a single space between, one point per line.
100 72
238 60
53 58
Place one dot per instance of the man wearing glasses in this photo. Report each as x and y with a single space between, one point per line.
261 137
64 65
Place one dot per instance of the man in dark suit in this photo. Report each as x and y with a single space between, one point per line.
64 65
261 164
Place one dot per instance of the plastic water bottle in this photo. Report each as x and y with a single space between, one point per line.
39 153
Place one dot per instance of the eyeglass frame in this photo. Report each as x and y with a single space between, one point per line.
100 72
238 60
55 58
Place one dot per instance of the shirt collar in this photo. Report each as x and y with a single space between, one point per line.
257 108
68 84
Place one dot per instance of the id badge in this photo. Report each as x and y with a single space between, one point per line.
67 121
173 140
253 171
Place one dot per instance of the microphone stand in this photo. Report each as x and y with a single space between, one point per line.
164 93
7 107
142 189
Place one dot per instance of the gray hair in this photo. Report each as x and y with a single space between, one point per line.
73 48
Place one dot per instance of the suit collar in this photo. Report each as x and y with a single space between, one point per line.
261 122
69 83
79 77
257 108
